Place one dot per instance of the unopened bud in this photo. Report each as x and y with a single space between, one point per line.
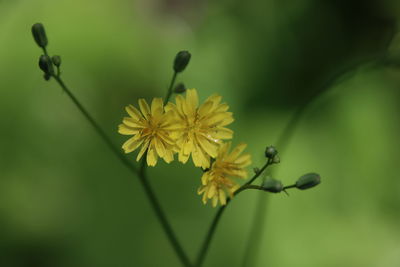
272 185
181 61
45 64
39 35
271 152
276 159
180 88
308 180
56 60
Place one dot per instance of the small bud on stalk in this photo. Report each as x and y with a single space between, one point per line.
276 159
272 185
46 65
180 88
39 35
181 61
308 180
56 60
270 152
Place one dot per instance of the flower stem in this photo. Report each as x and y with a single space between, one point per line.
161 215
141 173
211 230
171 86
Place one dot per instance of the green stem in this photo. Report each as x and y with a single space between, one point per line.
96 127
141 173
207 240
161 215
171 86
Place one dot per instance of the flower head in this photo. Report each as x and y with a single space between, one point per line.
200 130
151 129
217 182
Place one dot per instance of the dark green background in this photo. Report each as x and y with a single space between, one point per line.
65 200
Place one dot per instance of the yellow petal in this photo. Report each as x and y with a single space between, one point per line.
133 112
131 144
220 119
160 148
157 107
205 108
215 99
151 156
143 149
187 146
236 152
223 150
144 107
132 122
126 130
168 156
182 157
223 133
192 98
243 160
204 198
215 201
200 190
212 189
221 108
205 177
209 147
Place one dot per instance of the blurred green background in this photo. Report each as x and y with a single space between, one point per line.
65 200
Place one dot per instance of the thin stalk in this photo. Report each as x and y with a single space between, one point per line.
170 88
161 215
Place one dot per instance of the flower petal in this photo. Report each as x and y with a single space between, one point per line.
126 130
144 107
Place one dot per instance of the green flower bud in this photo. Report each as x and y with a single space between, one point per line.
56 60
271 152
180 88
39 35
181 61
276 159
272 185
308 180
45 64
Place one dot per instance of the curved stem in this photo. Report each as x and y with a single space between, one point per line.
141 173
161 215
171 86
95 125
207 240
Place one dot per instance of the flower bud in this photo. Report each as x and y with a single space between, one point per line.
308 180
272 185
180 88
181 61
45 64
276 159
56 60
270 152
39 35
46 76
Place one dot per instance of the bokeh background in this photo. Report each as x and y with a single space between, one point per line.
65 200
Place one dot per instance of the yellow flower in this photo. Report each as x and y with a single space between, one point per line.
218 180
201 129
151 129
